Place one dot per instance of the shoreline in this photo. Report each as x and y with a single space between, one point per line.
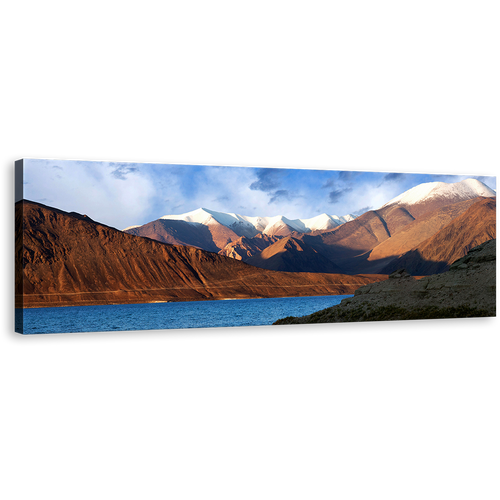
108 303
327 285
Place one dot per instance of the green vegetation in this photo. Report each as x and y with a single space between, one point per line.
337 314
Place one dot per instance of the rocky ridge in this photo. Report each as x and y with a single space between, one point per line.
244 248
423 230
435 254
468 289
65 259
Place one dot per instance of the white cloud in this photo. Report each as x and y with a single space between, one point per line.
225 189
125 194
89 188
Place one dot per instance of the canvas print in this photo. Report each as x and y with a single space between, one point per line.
105 246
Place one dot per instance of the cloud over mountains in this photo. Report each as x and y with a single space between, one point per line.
121 193
268 179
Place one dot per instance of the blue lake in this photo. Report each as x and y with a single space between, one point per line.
170 315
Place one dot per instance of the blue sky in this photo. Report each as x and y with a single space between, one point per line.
123 194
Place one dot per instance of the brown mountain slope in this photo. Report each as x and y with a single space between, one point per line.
291 254
392 230
419 230
360 235
330 250
212 237
67 259
244 248
222 235
327 246
357 236
434 255
177 232
396 218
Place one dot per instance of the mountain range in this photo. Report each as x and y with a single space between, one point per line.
425 228
65 258
213 231
68 259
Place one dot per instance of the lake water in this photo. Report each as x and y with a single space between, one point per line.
170 315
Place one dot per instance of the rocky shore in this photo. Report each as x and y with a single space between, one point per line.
467 289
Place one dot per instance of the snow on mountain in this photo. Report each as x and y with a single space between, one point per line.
280 225
319 222
455 192
349 217
199 216
324 222
250 226
267 225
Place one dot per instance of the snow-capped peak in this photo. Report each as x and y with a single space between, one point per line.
266 225
455 192
323 221
199 216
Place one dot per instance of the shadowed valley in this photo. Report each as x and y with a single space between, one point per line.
381 241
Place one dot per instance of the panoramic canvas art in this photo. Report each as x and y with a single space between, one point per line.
103 246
